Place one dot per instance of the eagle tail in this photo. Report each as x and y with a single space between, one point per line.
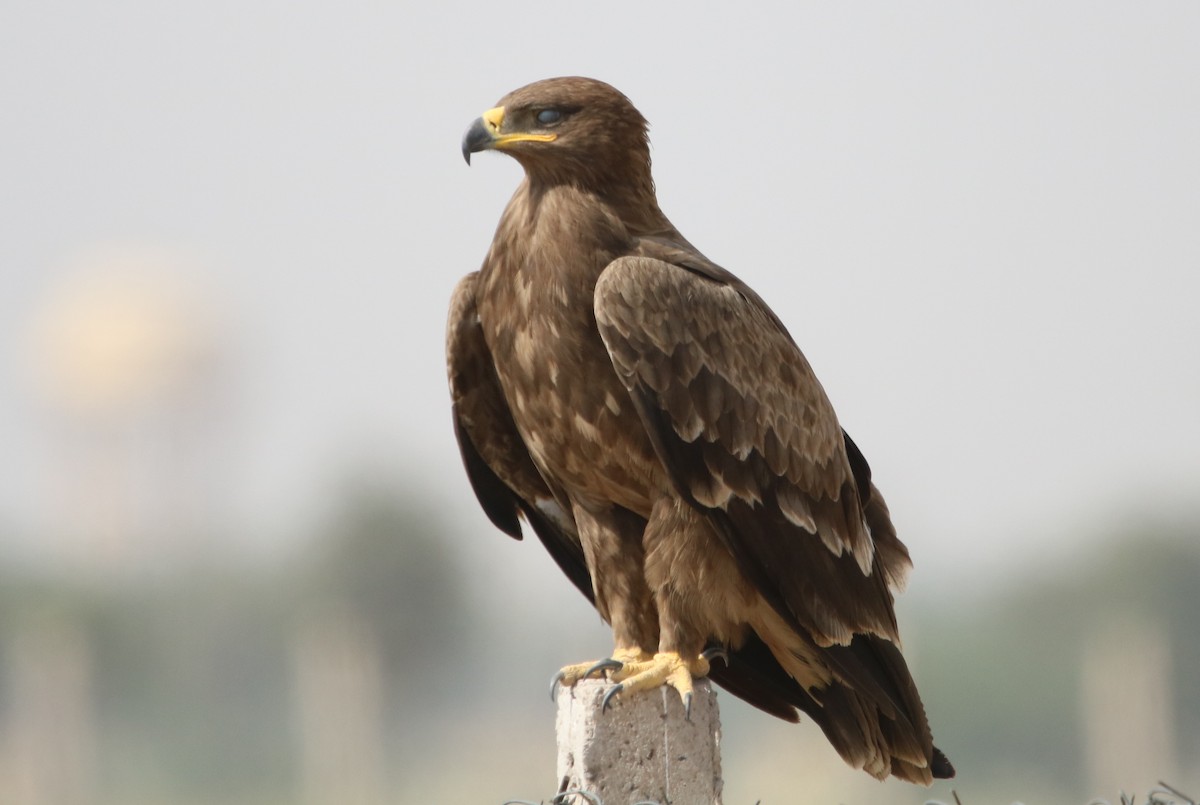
879 727
868 739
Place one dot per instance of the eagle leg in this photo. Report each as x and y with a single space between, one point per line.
571 674
664 668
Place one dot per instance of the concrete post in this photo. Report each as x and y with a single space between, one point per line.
641 750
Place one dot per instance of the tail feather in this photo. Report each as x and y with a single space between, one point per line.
879 727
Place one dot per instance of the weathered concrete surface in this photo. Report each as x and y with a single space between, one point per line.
642 749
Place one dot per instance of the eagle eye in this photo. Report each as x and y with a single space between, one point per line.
548 117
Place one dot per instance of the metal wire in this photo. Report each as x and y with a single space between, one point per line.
953 793
1162 795
561 799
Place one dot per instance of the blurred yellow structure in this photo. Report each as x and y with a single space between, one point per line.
124 329
125 357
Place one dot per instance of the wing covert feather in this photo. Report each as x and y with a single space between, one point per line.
498 464
744 427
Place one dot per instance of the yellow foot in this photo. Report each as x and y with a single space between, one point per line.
664 668
571 674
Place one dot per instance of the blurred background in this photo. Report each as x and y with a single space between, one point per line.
239 560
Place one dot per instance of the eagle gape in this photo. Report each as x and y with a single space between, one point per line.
653 421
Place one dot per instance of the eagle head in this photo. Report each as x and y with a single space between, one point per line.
565 129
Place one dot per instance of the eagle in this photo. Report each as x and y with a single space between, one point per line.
654 423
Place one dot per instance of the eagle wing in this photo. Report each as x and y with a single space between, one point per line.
502 473
749 437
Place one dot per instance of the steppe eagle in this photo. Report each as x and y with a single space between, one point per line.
653 421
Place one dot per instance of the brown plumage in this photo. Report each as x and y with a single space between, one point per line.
654 422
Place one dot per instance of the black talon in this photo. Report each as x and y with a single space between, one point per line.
714 652
687 707
604 665
576 792
609 695
558 677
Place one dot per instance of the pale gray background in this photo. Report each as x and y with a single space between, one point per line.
980 222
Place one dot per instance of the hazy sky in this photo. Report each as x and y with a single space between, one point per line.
980 222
